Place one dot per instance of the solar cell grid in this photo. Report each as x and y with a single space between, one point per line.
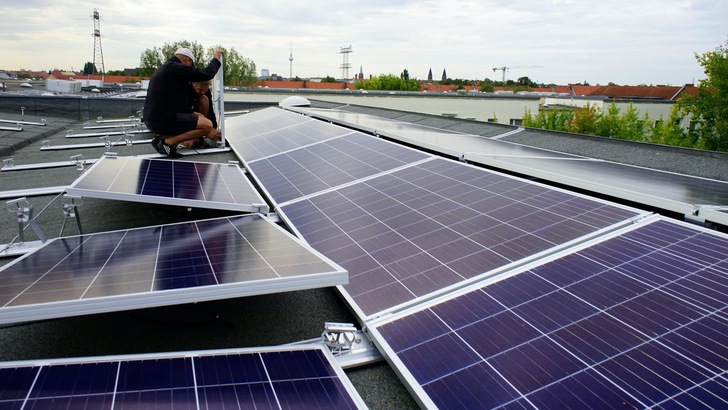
201 260
273 131
262 121
274 378
580 331
216 186
329 164
401 237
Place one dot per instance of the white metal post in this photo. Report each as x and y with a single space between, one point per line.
219 104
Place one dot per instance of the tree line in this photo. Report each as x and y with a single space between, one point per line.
389 82
707 111
237 70
613 123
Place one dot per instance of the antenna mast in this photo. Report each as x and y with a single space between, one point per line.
345 66
98 52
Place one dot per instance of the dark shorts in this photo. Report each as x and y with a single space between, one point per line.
182 123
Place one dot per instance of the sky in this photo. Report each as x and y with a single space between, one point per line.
626 42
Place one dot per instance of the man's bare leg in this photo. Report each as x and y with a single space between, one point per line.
204 127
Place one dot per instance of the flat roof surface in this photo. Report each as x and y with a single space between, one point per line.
251 321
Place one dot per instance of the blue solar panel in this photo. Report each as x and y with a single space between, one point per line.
272 131
420 229
636 320
162 265
208 185
303 377
329 164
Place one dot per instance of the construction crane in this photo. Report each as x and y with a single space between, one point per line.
504 69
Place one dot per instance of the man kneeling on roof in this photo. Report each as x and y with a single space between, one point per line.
202 103
168 109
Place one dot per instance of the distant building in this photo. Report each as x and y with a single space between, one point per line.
63 75
265 72
361 73
444 75
131 71
429 75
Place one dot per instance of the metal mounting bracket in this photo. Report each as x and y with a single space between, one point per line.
24 212
70 206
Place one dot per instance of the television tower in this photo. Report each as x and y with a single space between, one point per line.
345 66
290 60
98 60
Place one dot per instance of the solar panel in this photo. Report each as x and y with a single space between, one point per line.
182 183
273 378
272 131
662 190
329 164
637 319
440 223
161 265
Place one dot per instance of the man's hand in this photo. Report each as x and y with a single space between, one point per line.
218 54
215 135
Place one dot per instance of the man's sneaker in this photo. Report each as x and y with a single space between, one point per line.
172 150
157 147
164 149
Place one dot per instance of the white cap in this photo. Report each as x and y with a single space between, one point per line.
185 52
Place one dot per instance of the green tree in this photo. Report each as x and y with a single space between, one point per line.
237 70
389 82
486 86
526 82
328 79
152 58
555 120
632 127
149 61
669 132
709 108
584 121
610 123
89 68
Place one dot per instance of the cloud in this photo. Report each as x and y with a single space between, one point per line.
626 42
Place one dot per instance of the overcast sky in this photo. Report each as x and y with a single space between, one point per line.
627 42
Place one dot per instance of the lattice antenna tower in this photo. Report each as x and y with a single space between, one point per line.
98 52
345 66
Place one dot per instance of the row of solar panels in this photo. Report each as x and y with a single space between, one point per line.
485 290
295 377
695 198
482 289
165 265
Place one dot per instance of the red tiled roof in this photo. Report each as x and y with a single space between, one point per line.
659 92
580 90
552 89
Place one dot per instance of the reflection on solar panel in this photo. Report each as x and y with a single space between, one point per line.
162 265
657 189
423 228
329 164
295 377
638 320
272 131
183 183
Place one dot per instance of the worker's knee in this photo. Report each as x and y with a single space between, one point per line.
204 124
